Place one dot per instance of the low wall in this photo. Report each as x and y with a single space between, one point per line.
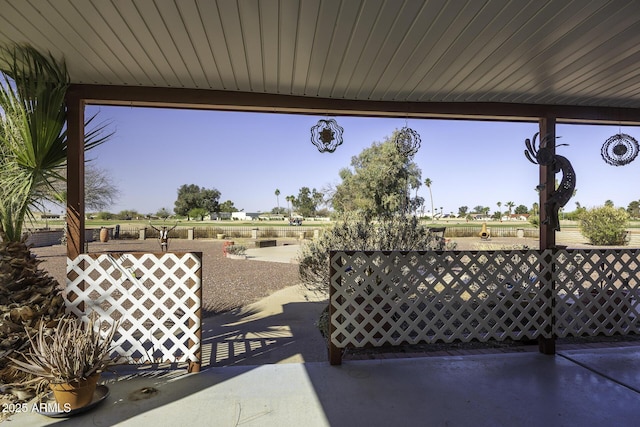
41 238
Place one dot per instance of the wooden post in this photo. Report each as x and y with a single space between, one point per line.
335 353
194 365
547 233
75 175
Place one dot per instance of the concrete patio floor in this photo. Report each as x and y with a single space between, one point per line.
592 387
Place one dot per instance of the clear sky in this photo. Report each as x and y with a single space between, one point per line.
247 156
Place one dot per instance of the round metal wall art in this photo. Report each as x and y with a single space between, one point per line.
407 142
326 135
619 150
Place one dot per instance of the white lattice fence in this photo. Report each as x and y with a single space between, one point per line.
156 298
395 297
597 292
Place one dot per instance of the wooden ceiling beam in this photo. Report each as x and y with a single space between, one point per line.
140 96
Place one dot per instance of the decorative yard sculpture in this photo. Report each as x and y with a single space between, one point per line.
326 135
620 149
163 237
545 156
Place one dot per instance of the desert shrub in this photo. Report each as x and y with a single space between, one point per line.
534 220
358 233
604 226
237 250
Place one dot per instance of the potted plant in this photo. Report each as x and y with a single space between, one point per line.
236 252
69 358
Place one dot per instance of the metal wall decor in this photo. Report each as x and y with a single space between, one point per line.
326 135
620 149
545 157
407 142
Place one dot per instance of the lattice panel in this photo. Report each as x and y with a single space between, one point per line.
394 297
597 292
156 298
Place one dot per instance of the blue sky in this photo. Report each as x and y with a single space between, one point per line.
246 156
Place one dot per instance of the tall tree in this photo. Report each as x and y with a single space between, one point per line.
462 211
499 212
192 196
510 206
33 138
290 200
427 183
278 199
377 182
307 201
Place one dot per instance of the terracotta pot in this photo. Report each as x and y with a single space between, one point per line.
76 394
104 235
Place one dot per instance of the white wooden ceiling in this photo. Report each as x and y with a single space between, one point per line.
561 52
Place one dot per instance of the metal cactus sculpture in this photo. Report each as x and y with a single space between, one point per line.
545 156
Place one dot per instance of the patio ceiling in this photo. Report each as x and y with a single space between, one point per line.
486 58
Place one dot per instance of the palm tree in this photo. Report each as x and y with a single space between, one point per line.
278 199
427 183
33 139
289 202
499 212
32 134
510 206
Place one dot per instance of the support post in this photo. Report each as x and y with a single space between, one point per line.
75 175
547 233
335 353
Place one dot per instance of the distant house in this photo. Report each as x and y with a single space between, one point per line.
241 216
516 217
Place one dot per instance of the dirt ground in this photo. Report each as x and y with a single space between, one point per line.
226 284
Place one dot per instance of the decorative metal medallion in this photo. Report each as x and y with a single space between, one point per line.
407 142
619 150
326 135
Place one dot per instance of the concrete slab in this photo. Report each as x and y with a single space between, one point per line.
284 253
486 390
619 364
277 329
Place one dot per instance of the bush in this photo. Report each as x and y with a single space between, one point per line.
605 226
237 250
359 233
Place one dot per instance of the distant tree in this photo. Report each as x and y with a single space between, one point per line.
278 210
290 200
499 212
510 206
278 198
521 209
192 196
609 203
307 201
634 209
462 211
478 209
128 214
198 213
378 182
535 209
99 190
105 215
227 206
427 183
163 213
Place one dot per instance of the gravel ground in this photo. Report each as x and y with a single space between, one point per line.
227 283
